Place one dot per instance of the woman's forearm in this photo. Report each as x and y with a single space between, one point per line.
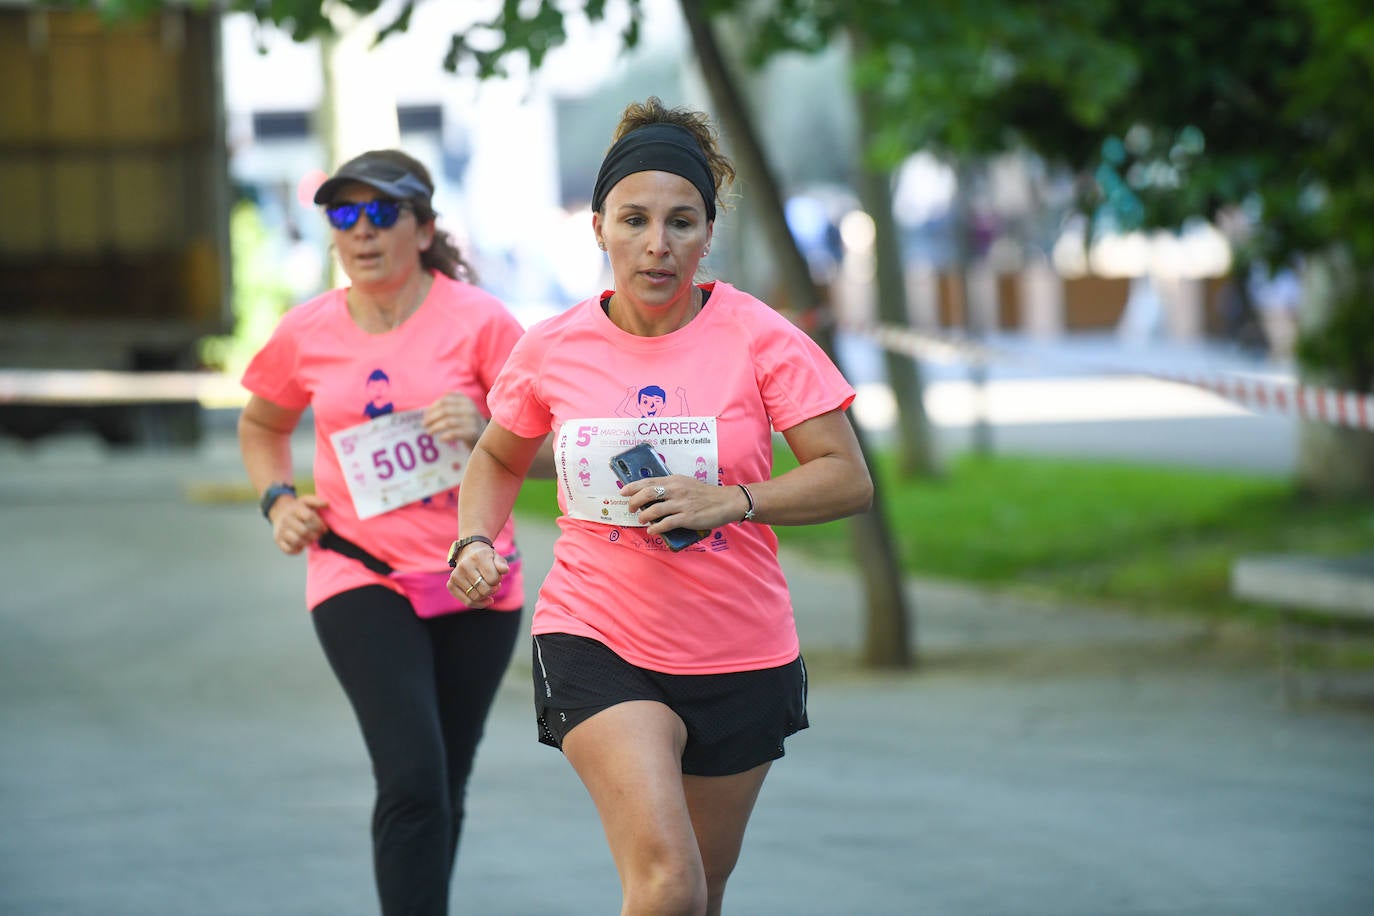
821 490
831 480
543 466
266 453
495 472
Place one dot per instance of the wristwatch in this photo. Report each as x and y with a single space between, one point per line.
274 492
458 546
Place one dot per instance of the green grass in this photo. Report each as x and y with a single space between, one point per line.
1143 537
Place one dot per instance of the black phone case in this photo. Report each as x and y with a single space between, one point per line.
640 462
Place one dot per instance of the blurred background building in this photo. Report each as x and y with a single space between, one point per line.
515 160
178 154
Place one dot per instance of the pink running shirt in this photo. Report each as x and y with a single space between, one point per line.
457 340
718 606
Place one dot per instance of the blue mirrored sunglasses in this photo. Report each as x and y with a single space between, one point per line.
381 213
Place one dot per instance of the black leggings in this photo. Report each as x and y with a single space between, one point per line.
421 689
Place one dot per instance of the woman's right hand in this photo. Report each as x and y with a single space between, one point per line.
297 523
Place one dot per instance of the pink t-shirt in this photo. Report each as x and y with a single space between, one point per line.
721 605
457 340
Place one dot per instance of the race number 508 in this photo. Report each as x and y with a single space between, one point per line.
405 456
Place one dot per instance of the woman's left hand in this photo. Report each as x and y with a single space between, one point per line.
477 576
685 502
453 417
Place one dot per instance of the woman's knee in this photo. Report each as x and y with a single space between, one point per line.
667 886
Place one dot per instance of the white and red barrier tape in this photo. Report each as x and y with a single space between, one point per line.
1327 405
1350 409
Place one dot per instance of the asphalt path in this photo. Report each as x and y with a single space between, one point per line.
172 742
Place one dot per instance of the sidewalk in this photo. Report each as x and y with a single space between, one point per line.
173 742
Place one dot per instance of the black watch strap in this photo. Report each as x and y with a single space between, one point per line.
274 492
459 544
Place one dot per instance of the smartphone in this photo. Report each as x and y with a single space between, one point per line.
640 462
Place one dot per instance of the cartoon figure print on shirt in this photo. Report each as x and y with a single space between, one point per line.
378 395
651 401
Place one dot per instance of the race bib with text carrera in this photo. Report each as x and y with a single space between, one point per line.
584 448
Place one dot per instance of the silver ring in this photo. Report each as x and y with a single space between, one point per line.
479 581
660 492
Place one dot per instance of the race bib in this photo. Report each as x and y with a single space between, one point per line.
584 449
390 461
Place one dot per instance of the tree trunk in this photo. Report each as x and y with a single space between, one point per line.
1334 462
357 111
887 638
915 454
972 321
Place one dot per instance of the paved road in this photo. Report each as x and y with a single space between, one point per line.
171 742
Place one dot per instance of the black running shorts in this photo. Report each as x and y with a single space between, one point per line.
735 721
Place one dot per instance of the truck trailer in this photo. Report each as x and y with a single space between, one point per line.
114 246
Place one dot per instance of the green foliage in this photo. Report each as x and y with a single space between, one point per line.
519 27
529 29
261 295
1329 103
960 77
1176 111
304 19
1341 350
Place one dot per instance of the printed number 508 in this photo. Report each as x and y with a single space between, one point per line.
403 455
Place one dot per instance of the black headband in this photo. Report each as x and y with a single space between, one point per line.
657 148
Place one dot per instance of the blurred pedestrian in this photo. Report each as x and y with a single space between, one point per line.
668 678
395 368
1277 295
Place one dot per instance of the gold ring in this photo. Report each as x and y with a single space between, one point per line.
468 590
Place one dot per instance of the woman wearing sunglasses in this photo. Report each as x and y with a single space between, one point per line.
395 367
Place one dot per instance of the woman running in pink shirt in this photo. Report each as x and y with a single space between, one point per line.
669 678
395 368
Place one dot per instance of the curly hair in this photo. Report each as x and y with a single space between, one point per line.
697 123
